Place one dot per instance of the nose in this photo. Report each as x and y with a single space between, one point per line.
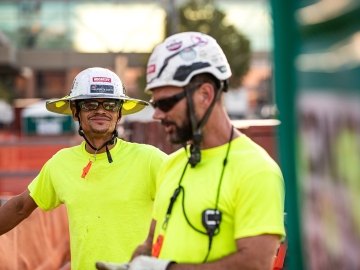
100 107
158 114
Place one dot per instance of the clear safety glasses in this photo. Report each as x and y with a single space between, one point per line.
108 105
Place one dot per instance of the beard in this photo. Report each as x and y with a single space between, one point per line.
182 133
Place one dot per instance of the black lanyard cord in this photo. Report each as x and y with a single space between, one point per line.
223 168
174 197
111 141
180 189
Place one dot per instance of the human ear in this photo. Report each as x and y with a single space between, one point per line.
207 93
119 117
75 115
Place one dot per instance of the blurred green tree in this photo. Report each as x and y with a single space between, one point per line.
205 17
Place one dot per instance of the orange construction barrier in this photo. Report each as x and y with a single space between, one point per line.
21 161
40 242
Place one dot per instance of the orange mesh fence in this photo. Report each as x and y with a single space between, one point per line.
39 242
42 240
21 162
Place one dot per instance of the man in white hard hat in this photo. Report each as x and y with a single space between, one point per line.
107 184
221 202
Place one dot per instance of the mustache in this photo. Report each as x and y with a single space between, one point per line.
167 123
100 114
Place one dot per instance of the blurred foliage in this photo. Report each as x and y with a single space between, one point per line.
203 16
6 87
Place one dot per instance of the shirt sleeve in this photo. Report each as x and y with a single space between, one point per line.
157 159
42 189
259 207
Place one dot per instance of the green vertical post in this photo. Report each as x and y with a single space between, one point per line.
285 46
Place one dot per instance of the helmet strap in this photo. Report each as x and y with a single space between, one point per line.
196 126
109 142
195 154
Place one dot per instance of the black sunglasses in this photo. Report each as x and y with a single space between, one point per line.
92 105
166 104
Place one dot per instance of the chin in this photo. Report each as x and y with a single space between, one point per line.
101 131
176 140
171 137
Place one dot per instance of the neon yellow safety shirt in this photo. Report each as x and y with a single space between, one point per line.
110 209
251 199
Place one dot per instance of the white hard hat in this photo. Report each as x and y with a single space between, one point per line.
96 83
181 56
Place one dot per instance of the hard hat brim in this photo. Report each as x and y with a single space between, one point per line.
62 105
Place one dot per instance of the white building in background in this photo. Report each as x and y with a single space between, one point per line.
236 103
56 39
6 113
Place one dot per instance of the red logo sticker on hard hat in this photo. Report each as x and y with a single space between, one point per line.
175 45
101 79
199 40
151 69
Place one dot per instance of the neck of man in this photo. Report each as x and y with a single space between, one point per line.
217 130
98 142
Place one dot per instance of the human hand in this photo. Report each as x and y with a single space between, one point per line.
139 263
143 249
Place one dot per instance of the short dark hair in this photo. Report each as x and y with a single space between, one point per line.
208 78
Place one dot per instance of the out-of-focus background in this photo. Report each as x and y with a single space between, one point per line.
44 44
295 91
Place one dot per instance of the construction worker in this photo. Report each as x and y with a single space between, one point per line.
221 200
107 184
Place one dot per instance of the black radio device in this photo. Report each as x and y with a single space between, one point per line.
211 219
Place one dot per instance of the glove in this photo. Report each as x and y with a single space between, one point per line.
149 263
111 266
139 263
